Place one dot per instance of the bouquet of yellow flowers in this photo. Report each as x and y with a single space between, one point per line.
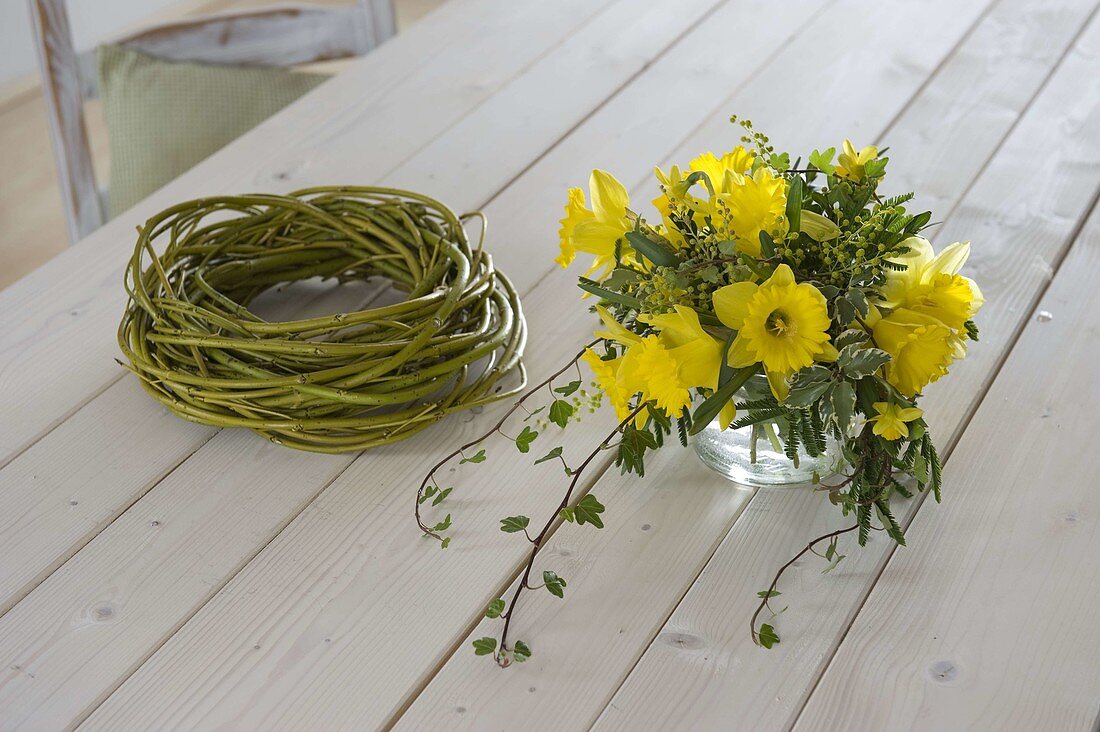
792 302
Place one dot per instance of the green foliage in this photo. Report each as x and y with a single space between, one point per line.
521 652
560 412
569 389
588 510
525 438
630 457
554 584
496 607
479 457
554 454
514 524
485 646
768 636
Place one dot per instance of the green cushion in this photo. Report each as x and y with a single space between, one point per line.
163 117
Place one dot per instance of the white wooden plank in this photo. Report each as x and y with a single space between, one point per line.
53 692
205 677
71 484
615 62
467 693
346 546
58 322
66 644
1021 214
992 624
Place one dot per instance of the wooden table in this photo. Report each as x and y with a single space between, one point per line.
160 574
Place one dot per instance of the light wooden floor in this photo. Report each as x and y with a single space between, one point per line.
32 226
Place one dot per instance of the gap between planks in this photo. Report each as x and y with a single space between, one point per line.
1072 233
954 439
4 607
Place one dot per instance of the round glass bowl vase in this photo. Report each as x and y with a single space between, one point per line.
754 456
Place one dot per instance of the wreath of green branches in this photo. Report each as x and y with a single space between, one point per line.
336 383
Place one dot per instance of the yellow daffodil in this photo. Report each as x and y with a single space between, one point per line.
723 171
851 164
614 330
781 324
754 203
920 349
653 369
699 352
891 419
607 377
930 283
575 212
595 231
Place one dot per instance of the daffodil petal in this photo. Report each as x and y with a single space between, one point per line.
949 261
731 303
777 380
739 355
609 197
828 353
782 276
727 415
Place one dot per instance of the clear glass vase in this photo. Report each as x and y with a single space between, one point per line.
754 455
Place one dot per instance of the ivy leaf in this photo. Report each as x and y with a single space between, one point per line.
552 455
560 412
588 511
843 400
496 607
442 496
443 525
514 524
554 583
428 492
569 388
521 652
525 438
478 458
567 514
485 646
768 637
768 594
445 543
631 454
859 362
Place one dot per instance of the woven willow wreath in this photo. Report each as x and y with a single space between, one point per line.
329 384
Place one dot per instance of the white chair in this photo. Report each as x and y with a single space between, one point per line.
285 35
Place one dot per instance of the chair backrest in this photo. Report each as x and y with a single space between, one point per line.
285 35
